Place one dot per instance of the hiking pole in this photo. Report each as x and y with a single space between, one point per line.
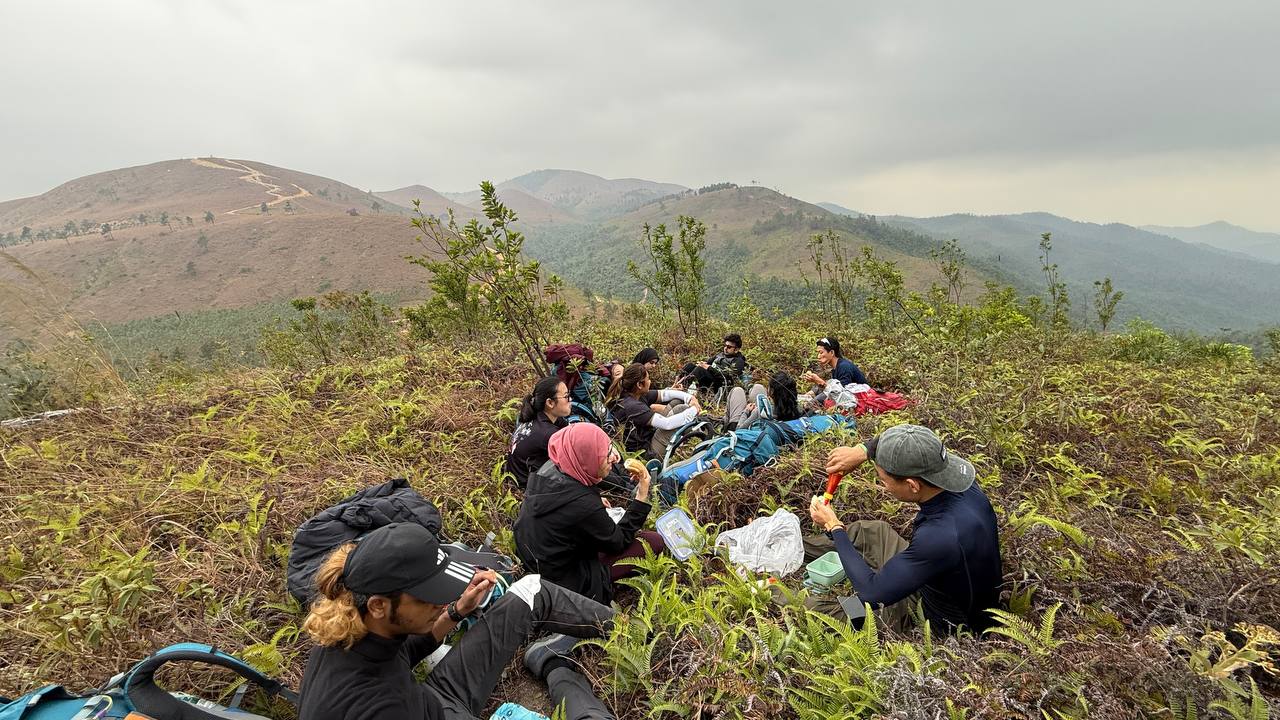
833 483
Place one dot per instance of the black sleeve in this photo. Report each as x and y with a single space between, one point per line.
870 444
651 397
418 647
609 537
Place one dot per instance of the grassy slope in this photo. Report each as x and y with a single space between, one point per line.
1146 498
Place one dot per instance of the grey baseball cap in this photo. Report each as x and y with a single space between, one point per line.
914 451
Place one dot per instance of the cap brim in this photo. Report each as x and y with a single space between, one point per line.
446 585
957 476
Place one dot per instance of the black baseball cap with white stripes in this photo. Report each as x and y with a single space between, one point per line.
408 558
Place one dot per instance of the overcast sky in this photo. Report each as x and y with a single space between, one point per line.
1143 111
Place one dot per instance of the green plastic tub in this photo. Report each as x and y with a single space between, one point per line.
826 571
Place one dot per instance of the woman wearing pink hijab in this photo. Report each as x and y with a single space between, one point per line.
564 531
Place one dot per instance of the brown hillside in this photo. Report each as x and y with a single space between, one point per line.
181 188
143 271
307 242
8 206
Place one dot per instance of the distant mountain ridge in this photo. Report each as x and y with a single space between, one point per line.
1167 281
1225 236
838 209
278 233
432 202
582 195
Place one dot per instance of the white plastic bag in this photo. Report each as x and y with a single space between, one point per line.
769 544
844 396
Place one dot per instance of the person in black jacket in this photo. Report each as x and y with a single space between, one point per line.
388 602
564 530
542 413
724 367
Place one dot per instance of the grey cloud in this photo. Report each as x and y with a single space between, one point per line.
811 98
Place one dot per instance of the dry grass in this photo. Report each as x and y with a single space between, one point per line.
209 480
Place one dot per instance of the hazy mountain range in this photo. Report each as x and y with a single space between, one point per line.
190 235
1223 235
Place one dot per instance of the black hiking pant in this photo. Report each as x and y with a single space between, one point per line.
708 378
464 680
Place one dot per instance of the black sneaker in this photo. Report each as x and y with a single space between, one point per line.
557 645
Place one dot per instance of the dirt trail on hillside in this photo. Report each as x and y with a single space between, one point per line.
257 177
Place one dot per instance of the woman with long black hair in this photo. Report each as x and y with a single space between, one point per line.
648 420
542 413
782 400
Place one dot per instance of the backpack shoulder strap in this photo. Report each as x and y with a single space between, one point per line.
140 689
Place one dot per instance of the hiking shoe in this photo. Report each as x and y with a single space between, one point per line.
557 645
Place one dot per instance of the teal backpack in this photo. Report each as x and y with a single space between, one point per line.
136 691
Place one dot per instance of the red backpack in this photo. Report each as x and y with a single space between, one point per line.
567 359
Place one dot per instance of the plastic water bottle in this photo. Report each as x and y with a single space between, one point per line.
693 388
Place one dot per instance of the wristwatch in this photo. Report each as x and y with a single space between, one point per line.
454 615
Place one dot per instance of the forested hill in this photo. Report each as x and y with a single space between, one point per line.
1227 237
1175 284
754 234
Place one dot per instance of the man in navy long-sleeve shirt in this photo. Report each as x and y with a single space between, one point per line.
953 560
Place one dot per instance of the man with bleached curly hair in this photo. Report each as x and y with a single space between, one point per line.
388 601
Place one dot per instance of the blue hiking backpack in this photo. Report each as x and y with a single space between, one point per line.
135 691
746 450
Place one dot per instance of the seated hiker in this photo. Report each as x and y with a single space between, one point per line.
841 367
648 421
542 413
649 358
564 530
952 563
723 368
389 601
596 384
782 401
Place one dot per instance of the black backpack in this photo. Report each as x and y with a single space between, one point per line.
393 501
